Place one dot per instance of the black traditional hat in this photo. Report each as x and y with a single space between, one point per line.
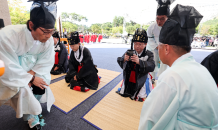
164 7
74 39
56 35
140 36
43 13
179 29
2 23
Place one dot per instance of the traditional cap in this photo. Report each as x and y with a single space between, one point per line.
74 39
2 23
43 13
179 29
56 35
164 7
140 35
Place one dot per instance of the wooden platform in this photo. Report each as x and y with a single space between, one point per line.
115 112
66 99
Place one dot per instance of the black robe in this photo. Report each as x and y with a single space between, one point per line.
87 76
141 72
62 55
211 63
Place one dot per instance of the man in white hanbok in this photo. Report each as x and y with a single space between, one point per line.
186 94
28 54
153 32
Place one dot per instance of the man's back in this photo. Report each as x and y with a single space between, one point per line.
184 99
196 93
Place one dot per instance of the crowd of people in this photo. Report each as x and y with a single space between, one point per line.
185 93
201 42
87 37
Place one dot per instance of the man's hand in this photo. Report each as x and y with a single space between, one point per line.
75 78
135 59
31 72
56 68
126 58
39 82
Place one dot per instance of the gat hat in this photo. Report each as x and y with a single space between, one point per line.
179 29
74 39
43 13
56 35
164 7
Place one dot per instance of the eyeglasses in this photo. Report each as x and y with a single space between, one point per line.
46 33
161 19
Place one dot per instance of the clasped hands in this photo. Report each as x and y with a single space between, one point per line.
39 82
133 58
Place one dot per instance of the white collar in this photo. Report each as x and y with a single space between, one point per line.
77 53
187 55
139 54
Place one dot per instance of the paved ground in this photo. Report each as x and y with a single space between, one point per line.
105 56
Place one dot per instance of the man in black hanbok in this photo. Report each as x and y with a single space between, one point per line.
61 56
211 63
136 68
82 74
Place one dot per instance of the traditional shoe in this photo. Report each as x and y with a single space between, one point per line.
36 127
153 81
141 100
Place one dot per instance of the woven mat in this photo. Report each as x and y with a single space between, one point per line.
56 76
66 99
114 112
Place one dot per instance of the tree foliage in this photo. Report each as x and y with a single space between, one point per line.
70 27
19 14
73 17
96 28
118 21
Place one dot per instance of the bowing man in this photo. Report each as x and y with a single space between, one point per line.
28 54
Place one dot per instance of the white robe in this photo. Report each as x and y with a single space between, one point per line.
21 53
185 99
153 33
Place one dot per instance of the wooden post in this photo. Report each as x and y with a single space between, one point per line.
4 12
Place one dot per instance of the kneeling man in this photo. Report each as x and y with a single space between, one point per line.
82 74
61 56
136 68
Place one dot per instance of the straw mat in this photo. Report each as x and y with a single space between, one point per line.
57 76
115 112
66 99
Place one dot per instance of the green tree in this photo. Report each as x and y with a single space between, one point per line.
145 27
205 30
72 17
64 16
130 29
131 23
137 26
216 29
70 27
96 28
118 21
19 14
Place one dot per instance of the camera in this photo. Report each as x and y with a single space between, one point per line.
130 53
